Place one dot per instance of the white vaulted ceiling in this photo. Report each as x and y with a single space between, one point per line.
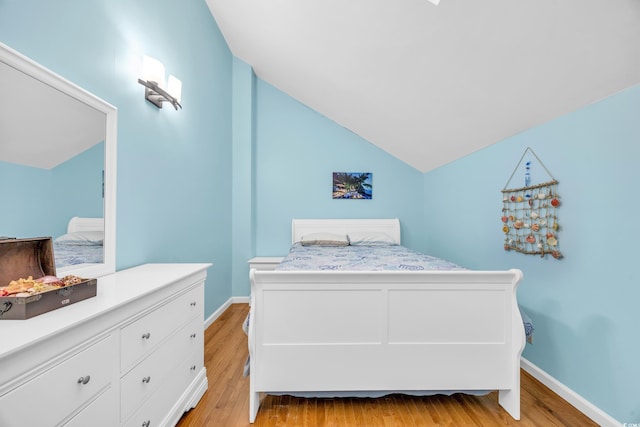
40 126
430 84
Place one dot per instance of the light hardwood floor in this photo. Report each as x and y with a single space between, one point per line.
226 402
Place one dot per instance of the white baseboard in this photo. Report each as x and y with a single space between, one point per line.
579 402
223 307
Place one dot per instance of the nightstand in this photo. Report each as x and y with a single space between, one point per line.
265 262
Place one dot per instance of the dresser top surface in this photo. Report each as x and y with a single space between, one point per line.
114 291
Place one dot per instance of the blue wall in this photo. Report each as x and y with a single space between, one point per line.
40 202
77 188
285 172
174 167
297 150
243 182
584 306
34 187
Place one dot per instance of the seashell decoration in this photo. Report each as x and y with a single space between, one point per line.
529 213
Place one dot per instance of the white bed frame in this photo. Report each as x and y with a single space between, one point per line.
85 224
389 331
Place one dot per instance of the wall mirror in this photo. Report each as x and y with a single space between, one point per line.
57 165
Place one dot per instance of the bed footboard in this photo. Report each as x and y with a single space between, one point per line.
385 331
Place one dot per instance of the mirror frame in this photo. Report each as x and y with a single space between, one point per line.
48 77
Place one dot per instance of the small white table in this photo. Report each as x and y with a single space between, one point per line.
265 262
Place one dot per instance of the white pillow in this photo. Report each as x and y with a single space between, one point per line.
87 238
370 238
324 239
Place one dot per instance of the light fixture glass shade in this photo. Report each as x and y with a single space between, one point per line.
152 70
174 87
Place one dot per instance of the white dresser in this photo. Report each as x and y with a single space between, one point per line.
131 356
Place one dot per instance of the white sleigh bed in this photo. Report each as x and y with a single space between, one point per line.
383 331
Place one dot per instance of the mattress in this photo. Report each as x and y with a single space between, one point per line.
361 258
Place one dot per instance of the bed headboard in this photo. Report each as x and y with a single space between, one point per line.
85 224
299 227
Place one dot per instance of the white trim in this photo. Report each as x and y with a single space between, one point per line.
240 300
208 321
233 300
573 398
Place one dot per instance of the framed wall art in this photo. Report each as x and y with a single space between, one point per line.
352 185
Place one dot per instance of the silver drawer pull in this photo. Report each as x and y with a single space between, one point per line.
146 336
193 304
146 423
146 379
84 380
193 335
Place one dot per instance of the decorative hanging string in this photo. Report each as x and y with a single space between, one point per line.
544 184
529 214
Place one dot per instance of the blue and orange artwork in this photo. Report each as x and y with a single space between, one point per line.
352 185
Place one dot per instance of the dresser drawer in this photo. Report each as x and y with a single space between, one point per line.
99 413
146 377
154 411
142 336
53 395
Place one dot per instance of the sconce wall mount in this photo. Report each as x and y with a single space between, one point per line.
156 95
153 81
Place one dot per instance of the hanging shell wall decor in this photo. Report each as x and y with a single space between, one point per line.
529 218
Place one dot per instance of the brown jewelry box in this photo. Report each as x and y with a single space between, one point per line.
21 258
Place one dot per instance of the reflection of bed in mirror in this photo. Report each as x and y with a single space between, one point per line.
49 127
81 244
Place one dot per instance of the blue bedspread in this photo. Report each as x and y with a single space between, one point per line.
73 254
361 258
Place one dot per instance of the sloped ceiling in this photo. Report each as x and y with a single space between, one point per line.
430 84
39 125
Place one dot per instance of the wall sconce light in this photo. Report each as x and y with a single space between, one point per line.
153 81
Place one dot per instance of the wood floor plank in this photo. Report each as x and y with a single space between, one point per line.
226 402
